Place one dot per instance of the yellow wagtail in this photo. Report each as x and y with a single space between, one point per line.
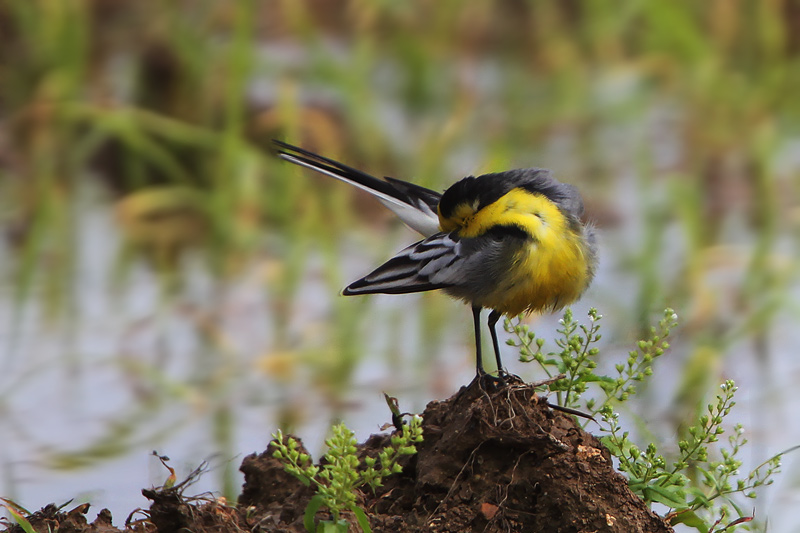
511 241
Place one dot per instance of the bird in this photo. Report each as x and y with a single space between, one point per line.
511 242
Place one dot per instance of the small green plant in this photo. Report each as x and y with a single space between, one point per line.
697 489
575 363
693 502
340 476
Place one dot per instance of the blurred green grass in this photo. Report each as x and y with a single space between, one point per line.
164 111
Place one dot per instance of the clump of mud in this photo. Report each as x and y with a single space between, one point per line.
52 518
492 462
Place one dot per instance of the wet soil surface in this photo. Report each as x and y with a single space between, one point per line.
492 462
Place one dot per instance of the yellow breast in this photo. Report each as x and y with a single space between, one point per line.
552 270
545 276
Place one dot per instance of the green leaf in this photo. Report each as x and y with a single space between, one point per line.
589 377
700 499
674 497
362 519
20 519
691 519
394 405
604 379
311 512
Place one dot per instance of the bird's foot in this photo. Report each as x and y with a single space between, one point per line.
492 383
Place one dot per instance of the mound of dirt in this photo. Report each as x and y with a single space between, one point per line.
490 462
493 462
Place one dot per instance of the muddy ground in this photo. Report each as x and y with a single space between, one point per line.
491 462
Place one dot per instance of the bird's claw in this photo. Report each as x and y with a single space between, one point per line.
491 382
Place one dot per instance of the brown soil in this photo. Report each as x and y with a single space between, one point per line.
491 462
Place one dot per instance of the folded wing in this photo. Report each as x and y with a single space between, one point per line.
433 263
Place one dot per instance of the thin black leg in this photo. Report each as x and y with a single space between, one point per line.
494 316
476 317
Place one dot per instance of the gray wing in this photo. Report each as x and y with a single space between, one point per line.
433 263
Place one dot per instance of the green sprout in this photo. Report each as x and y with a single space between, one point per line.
340 476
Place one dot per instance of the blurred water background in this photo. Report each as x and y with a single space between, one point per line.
167 284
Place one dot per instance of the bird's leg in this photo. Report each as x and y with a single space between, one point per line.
476 318
485 380
494 316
